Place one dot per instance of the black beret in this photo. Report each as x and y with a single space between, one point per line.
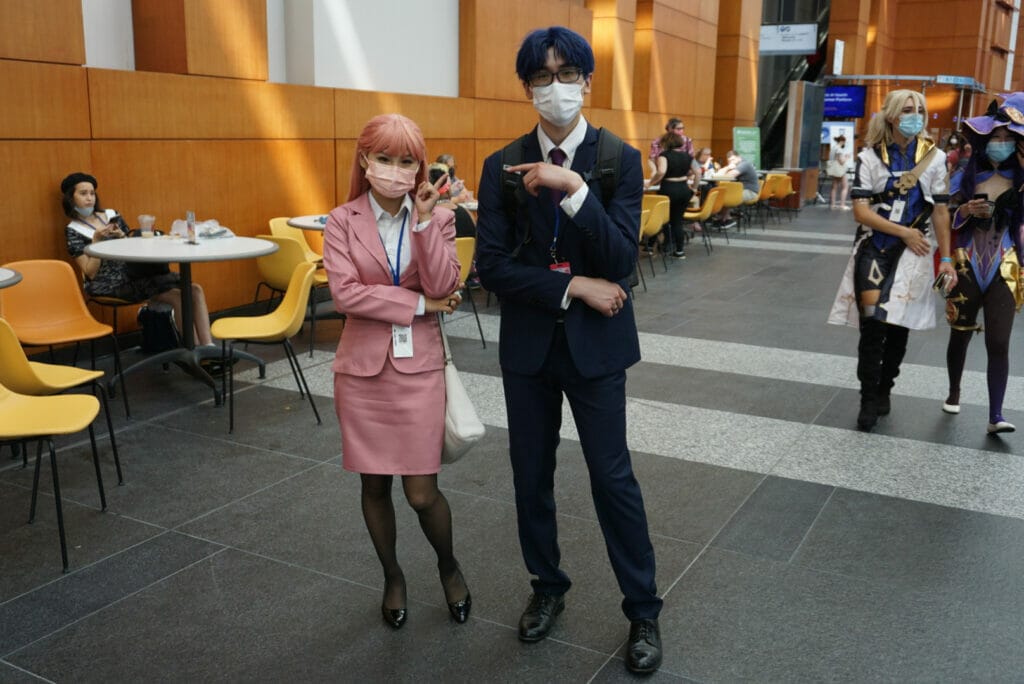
74 179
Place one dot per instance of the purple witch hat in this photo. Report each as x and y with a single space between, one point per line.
1010 114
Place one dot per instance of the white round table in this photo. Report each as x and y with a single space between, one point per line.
309 222
175 249
8 277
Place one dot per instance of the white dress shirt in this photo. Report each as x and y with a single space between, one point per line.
390 229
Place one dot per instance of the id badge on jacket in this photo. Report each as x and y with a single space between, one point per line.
401 341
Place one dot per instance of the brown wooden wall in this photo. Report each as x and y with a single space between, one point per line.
197 126
928 38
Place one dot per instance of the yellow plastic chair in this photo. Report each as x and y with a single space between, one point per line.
47 309
279 227
641 229
276 271
656 222
783 191
26 418
760 203
465 250
276 327
732 197
20 375
704 214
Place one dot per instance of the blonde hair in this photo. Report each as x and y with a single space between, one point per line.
880 127
392 134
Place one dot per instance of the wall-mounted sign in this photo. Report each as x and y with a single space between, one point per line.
789 39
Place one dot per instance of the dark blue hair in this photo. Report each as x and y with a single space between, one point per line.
570 46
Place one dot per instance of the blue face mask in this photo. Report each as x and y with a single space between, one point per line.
911 124
999 150
84 212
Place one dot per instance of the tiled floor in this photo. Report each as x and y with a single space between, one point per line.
790 547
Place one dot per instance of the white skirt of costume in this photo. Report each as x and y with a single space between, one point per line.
911 302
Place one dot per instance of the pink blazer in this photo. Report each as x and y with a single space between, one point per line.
361 286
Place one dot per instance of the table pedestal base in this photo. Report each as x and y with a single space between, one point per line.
188 360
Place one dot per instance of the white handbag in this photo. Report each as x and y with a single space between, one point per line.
462 427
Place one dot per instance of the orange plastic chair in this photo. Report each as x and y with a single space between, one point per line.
47 309
465 250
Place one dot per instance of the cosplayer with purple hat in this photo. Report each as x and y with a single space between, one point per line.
987 241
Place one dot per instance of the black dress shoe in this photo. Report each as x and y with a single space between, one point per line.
643 652
395 617
539 616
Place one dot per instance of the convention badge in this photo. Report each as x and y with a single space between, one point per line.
561 267
896 213
401 341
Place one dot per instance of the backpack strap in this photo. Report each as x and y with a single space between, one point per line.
606 168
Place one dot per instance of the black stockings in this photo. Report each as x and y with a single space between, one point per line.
998 310
435 519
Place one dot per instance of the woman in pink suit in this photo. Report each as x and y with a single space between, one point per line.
390 259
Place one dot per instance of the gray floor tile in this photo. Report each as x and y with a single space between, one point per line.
776 518
43 611
30 554
267 418
241 618
172 475
735 618
967 556
9 674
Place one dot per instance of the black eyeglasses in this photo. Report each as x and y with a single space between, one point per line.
542 78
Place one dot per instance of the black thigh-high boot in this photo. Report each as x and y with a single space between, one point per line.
870 352
895 350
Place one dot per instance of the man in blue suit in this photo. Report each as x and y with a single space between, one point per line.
559 258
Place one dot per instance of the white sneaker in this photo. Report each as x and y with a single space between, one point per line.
951 408
1001 426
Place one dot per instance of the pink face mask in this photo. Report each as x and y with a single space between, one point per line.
389 180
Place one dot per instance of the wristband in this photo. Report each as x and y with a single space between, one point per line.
946 260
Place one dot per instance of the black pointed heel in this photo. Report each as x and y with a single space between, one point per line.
395 617
460 609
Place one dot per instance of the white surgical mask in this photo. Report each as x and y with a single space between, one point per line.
558 103
84 212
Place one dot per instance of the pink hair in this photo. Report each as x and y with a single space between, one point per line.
392 134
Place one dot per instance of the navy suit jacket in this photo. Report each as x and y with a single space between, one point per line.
597 242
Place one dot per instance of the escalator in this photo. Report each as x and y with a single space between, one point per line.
772 120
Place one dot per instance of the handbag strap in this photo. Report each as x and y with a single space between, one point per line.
444 340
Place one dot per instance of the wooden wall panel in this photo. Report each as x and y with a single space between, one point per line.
612 85
43 101
158 32
437 117
32 172
490 32
227 38
42 31
128 104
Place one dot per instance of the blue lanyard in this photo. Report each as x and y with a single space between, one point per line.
554 241
396 268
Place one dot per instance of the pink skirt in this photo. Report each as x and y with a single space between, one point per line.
391 423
